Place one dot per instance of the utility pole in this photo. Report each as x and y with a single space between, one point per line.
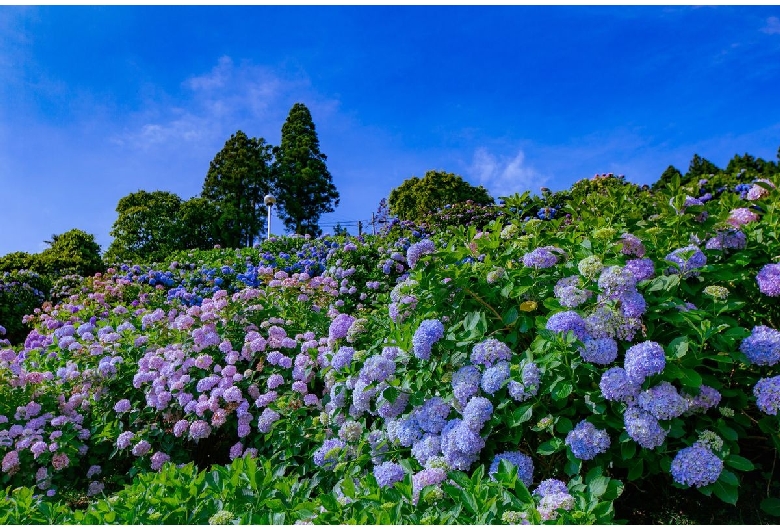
373 224
360 228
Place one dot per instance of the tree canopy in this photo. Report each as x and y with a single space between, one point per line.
416 197
237 180
304 186
667 177
73 252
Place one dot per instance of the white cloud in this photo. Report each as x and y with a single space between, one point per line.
772 26
503 175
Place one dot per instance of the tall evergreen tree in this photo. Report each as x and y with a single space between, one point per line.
700 168
237 180
667 177
304 186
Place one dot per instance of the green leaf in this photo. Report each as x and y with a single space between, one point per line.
627 450
598 486
636 469
510 316
550 446
678 347
771 505
727 432
726 492
562 390
739 463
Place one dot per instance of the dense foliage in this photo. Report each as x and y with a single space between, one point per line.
521 363
417 197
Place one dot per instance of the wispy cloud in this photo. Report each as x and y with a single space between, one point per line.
504 175
772 26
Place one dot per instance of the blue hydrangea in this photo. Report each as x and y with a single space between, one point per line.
476 412
342 358
632 245
529 387
643 428
727 239
376 369
327 455
642 269
663 401
339 327
687 260
465 383
388 474
643 360
696 466
418 250
427 447
615 385
568 321
550 486
615 282
569 293
762 347
541 258
460 445
490 351
388 410
768 279
494 377
408 432
525 466
632 305
599 351
429 332
585 441
432 415
767 392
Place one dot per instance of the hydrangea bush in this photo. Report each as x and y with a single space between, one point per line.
518 370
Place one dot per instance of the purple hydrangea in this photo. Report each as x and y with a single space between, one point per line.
494 377
767 392
696 466
762 347
123 440
687 260
465 383
342 358
326 456
615 385
599 351
768 279
426 477
585 441
340 326
632 245
727 239
418 250
525 466
541 258
199 429
643 428
708 398
632 305
387 410
643 360
550 486
274 381
158 459
388 474
266 420
427 447
568 321
476 412
615 282
569 293
663 401
488 352
141 448
377 368
642 269
741 216
408 431
529 387
123 405
428 333
460 445
432 415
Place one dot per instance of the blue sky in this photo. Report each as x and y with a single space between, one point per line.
99 102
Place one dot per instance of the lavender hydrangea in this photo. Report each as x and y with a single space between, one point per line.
460 445
768 279
342 358
687 260
376 369
432 415
529 387
569 293
418 250
767 392
541 258
388 474
476 412
663 401
741 216
550 486
643 428
643 360
326 456
465 383
726 240
632 245
427 447
708 398
568 321
762 347
599 351
615 282
696 466
494 377
428 333
615 385
524 464
642 269
585 441
490 351
340 326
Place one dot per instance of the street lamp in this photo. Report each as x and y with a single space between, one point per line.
269 201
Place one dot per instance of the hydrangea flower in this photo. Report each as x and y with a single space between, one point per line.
460 445
340 326
569 293
727 239
326 456
529 387
568 321
762 347
741 216
615 282
632 245
589 267
476 412
768 279
550 504
643 360
465 383
525 466
663 401
494 377
489 352
767 392
696 466
550 486
585 441
418 250
687 260
342 358
643 428
427 447
426 477
642 269
388 474
541 258
599 351
708 398
428 333
432 415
